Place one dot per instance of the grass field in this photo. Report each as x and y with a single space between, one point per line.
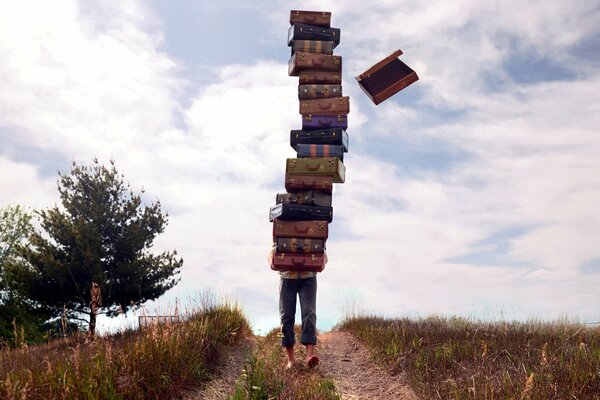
157 362
461 359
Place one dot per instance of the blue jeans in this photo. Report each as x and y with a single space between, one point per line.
306 289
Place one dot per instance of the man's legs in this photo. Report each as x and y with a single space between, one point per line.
308 307
287 311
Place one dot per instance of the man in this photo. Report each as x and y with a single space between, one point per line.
304 285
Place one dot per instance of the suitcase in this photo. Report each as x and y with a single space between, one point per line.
312 122
386 78
335 136
294 183
314 18
301 61
333 106
298 262
300 229
300 212
299 245
326 166
309 198
310 77
312 46
318 91
309 32
320 150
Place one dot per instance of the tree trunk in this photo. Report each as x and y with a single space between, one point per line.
95 303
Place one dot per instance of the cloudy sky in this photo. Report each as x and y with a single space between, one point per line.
473 192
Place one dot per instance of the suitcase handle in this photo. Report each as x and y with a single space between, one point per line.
315 168
322 91
298 262
302 231
327 107
324 122
317 61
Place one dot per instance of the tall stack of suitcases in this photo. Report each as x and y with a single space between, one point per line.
302 215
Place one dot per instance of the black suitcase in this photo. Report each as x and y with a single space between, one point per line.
335 136
300 245
296 212
309 198
309 32
320 150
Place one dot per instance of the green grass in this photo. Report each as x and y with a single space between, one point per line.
264 377
155 363
458 359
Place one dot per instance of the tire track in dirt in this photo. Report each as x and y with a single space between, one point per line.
349 364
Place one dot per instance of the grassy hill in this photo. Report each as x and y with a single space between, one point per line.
158 362
460 359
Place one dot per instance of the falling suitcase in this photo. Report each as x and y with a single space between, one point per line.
334 136
298 262
386 78
308 197
300 229
326 166
300 245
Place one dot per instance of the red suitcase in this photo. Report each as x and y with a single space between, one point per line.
296 183
331 106
300 229
298 262
314 18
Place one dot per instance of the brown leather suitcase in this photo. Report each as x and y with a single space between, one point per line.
325 166
314 18
310 77
300 229
302 61
298 262
332 106
312 46
306 92
296 183
386 78
300 245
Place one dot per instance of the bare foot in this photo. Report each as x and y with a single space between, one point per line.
289 365
312 361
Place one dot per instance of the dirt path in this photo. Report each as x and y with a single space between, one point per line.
355 375
223 386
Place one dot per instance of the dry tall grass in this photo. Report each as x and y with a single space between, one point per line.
460 359
154 363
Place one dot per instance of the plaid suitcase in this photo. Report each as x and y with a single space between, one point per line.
320 150
312 46
309 77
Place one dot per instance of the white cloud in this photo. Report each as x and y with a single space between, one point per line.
80 84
